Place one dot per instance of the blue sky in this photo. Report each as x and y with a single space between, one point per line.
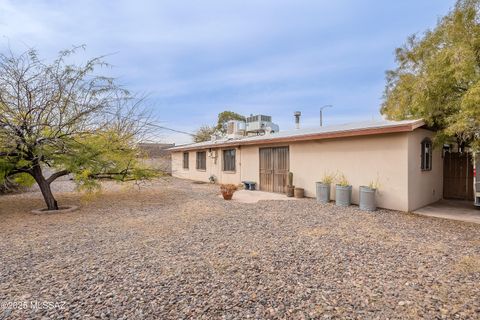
197 58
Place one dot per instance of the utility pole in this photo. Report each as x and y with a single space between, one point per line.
321 113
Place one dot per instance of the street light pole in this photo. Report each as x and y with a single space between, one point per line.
321 113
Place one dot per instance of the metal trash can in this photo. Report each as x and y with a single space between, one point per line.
367 198
343 195
323 192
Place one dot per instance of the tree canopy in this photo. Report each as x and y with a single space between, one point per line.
204 133
438 77
63 118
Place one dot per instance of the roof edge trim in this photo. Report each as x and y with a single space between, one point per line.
402 127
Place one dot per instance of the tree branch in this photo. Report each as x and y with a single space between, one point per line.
17 171
8 154
57 175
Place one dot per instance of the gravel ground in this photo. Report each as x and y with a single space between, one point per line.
174 250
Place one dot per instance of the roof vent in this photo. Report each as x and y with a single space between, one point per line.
297 115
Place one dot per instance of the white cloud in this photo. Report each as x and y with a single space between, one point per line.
197 57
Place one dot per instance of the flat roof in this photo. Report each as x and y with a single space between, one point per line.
317 133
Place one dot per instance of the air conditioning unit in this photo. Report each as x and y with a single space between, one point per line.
214 137
270 130
235 129
260 124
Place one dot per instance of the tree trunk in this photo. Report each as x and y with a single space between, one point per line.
45 188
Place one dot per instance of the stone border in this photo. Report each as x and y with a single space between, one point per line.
62 209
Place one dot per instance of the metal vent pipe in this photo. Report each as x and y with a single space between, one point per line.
297 115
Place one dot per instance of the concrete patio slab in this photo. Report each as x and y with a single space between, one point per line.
453 210
246 196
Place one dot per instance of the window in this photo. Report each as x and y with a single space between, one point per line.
201 160
229 160
426 154
185 160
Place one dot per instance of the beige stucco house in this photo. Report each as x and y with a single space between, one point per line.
399 154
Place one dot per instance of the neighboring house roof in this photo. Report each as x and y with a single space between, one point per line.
327 132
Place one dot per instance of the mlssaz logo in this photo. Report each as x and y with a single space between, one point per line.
47 305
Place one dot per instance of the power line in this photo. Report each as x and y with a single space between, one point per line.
166 128
154 125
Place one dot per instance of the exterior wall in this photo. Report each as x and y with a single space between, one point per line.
213 167
424 187
247 166
250 164
361 160
391 159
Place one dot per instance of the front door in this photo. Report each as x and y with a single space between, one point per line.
458 176
274 166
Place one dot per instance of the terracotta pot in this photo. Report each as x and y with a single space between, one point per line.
290 191
299 193
227 195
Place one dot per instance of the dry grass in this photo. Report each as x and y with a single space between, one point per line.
468 264
366 229
314 232
433 248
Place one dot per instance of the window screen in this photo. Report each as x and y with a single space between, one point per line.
426 154
201 160
229 160
185 160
